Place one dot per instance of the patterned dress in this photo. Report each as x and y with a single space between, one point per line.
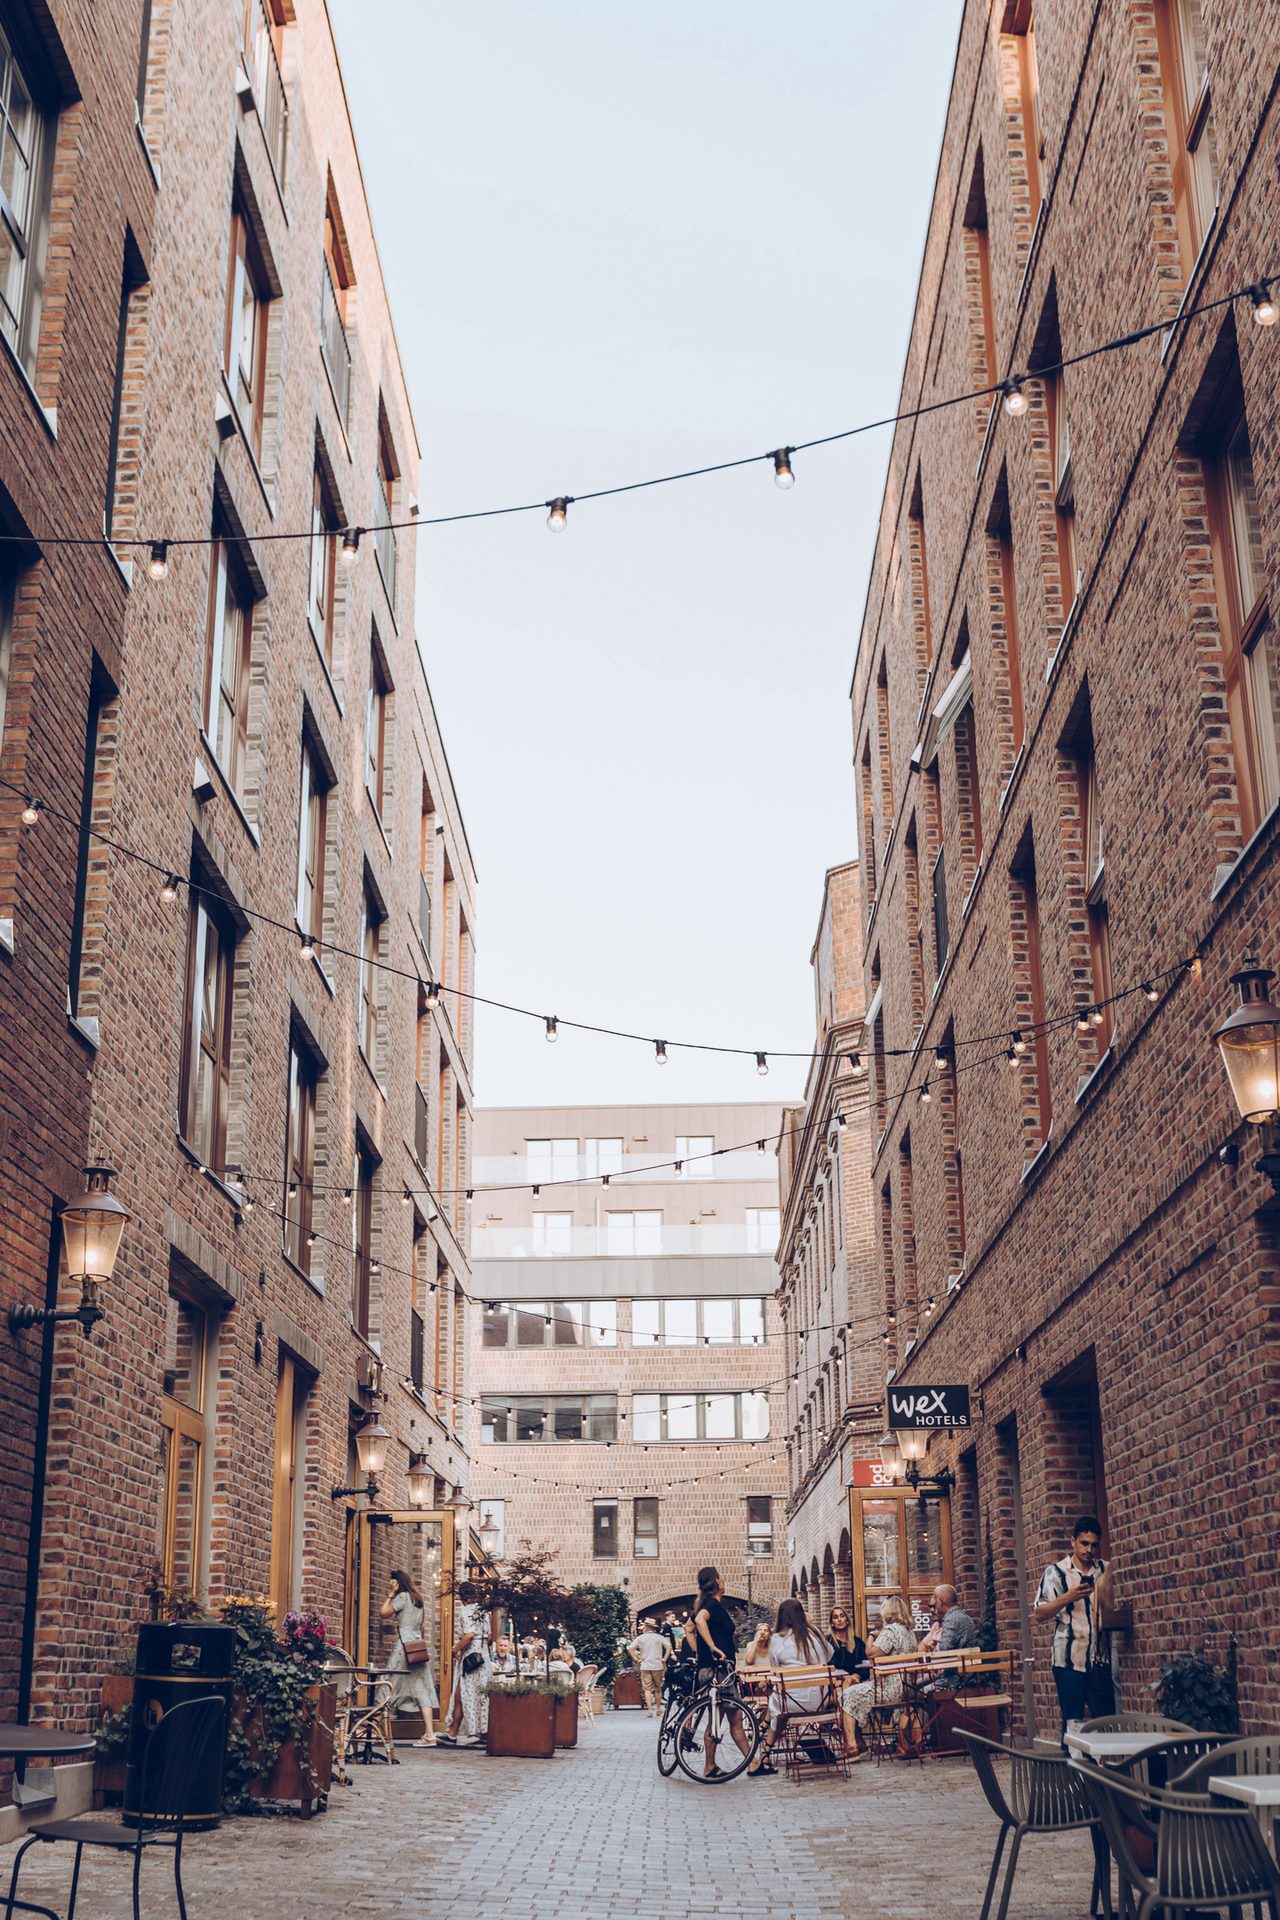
895 1642
469 1686
414 1686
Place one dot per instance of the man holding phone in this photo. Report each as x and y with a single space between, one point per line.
1068 1594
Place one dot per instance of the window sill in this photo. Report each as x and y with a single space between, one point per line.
1224 874
1014 771
314 1280
48 415
968 900
153 165
232 1194
229 790
1037 232
1097 1073
86 1027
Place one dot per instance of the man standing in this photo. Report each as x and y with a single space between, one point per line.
1069 1593
650 1652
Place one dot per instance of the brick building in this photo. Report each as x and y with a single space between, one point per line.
1066 754
829 1293
270 1047
626 1352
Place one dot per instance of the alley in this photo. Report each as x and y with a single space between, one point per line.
596 1831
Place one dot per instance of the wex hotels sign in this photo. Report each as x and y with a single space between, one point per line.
928 1407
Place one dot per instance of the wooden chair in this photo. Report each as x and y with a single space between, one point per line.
584 1683
964 1691
809 1737
897 1726
362 1724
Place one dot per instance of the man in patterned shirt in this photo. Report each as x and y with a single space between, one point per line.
1068 1595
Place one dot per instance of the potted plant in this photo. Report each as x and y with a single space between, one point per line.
522 1718
566 1713
280 1741
598 1637
1192 1689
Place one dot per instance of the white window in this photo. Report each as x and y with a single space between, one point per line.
633 1233
715 1417
717 1323
692 1150
646 1323
751 1322
551 1160
755 1416
602 1156
762 1229
25 152
552 1233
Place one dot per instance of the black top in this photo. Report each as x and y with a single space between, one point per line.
720 1627
850 1659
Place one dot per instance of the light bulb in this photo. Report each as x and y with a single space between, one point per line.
604 1179
925 1095
30 813
307 947
350 546
660 1052
406 1198
553 1029
158 563
1265 311
293 1189
782 475
1011 1056
856 1066
1019 1044
375 1268
760 1148
1151 991
1096 1017
169 891
1015 400
678 1168
431 993
349 1197
1082 1020
762 1065
941 1061
537 1192
559 512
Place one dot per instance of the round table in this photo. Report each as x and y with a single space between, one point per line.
29 1743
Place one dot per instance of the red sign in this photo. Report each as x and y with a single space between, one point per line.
873 1473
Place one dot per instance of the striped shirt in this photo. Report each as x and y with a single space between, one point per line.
1075 1629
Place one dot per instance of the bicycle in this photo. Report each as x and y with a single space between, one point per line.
707 1728
677 1692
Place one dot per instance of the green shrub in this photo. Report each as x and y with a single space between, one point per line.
1193 1690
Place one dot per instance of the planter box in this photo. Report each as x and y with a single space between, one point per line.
626 1689
522 1725
108 1775
566 1720
299 1775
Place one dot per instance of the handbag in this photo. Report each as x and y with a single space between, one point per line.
416 1652
472 1662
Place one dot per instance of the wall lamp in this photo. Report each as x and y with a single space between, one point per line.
1249 1042
91 1230
902 1453
371 1452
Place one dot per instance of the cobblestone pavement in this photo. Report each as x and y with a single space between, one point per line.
595 1832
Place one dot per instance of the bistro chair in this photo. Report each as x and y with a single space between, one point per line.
585 1684
897 1729
811 1737
181 1762
1134 1723
362 1725
1206 1855
1162 1765
1044 1796
1233 1757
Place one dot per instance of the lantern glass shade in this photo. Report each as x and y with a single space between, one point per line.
489 1536
91 1228
420 1482
914 1442
890 1458
371 1445
1249 1042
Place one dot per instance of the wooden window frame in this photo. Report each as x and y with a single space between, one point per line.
1096 897
1242 630
375 731
322 567
185 1423
362 1178
1188 124
293 1384
245 276
370 998
1013 638
207 1053
300 1151
228 584
313 811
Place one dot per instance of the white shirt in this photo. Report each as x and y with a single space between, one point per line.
649 1651
1075 1629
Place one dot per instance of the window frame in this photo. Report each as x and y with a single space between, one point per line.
593 1411
28 227
322 567
700 1398
690 1149
369 997
645 1506
375 728
363 1170
1242 631
247 287
228 581
302 1099
1193 161
183 1422
606 1510
209 1054
313 811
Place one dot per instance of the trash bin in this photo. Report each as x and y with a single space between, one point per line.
178 1661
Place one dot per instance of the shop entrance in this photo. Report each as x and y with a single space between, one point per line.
419 1544
902 1545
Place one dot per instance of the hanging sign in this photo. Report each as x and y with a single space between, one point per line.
872 1473
928 1407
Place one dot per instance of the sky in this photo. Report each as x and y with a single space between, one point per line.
623 237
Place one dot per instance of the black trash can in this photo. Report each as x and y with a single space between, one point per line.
180 1661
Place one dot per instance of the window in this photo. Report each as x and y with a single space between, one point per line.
336 281
245 332
1247 642
206 1052
26 155
313 808
941 917
1096 896
759 1523
1019 22
292 1387
128 355
187 1372
977 274
322 572
300 1150
361 1240
968 795
601 1156
99 767
917 554
1193 156
551 1159
699 1416
370 977
633 1233
604 1529
708 1322
6 638
422 1251
384 539
1029 993
644 1529
694 1149
553 1233
375 728
763 1226
227 662
550 1323
1064 493
1002 533
524 1419
884 752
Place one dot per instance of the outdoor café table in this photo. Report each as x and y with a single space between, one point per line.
30 1743
1123 1744
1261 1791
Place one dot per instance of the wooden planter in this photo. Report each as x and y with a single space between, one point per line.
299 1774
566 1720
522 1725
626 1689
108 1775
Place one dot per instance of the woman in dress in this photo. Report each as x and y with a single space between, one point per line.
468 1719
794 1642
848 1649
414 1685
894 1641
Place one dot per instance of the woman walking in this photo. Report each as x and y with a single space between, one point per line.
414 1685
713 1626
468 1703
894 1641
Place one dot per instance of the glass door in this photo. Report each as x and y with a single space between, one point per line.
420 1545
901 1545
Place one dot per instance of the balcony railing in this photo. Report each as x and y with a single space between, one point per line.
421 1128
333 345
268 87
384 543
491 1242
652 1168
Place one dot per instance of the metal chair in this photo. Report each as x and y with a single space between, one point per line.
1161 1765
810 1737
183 1756
1044 1796
1206 1854
1231 1756
1134 1723
585 1681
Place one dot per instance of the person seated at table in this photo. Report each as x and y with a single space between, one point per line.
848 1649
559 1661
952 1629
794 1642
503 1656
895 1641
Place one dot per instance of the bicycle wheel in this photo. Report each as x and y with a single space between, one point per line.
705 1739
667 1732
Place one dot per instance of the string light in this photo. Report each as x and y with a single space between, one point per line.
679 1168
783 476
559 511
1011 1055
941 1060
762 1065
431 993
351 546
1096 1016
760 1148
856 1066
925 1095
1016 402
158 562
30 812
306 947
1083 1020
169 891
660 1052
1019 1044
1150 991
406 1198
1265 311
553 1029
